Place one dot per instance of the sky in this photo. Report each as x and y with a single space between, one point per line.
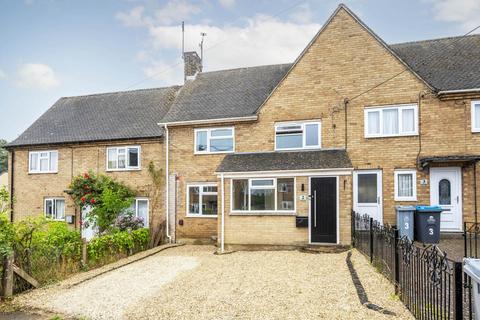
51 49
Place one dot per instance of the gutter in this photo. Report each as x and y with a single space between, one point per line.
210 121
445 92
167 212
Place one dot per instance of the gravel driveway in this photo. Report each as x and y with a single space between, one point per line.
190 282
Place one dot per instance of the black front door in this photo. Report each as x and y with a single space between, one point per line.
323 210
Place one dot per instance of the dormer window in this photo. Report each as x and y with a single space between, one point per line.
298 135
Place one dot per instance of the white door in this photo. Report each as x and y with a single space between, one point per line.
446 191
367 193
88 231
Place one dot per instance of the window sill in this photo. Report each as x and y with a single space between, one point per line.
43 172
258 213
201 216
406 200
299 149
210 153
123 170
393 136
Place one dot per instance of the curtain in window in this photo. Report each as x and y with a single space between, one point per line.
477 116
142 211
60 209
240 195
34 161
112 158
53 161
405 185
311 134
408 120
374 122
390 121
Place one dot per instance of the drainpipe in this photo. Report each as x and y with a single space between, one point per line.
12 189
222 240
167 213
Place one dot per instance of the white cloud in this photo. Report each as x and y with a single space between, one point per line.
260 40
3 75
175 11
134 18
464 12
36 75
303 14
227 3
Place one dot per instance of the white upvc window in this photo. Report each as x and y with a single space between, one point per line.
475 116
214 140
298 135
391 121
275 195
123 158
405 185
140 209
43 161
54 208
202 200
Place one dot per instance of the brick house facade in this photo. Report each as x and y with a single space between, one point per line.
353 123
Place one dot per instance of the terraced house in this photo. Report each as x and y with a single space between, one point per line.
278 155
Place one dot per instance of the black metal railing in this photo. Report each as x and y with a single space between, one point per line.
429 284
471 235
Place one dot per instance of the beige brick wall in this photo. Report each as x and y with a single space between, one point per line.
30 190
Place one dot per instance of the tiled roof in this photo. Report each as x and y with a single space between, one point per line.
447 63
108 116
285 160
225 94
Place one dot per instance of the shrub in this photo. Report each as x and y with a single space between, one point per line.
109 247
128 221
107 197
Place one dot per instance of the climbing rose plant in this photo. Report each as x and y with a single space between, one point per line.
107 197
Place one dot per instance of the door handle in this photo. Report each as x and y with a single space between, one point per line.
458 198
315 208
378 200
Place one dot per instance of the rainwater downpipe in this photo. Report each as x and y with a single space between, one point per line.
222 239
167 213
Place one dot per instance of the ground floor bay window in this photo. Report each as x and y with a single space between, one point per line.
263 195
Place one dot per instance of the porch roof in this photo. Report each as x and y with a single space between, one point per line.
285 161
425 161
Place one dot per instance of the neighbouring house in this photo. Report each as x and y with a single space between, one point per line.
279 155
4 180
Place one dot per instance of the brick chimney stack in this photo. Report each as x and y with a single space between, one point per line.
192 64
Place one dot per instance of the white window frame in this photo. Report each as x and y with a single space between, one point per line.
201 193
209 138
274 187
400 108
54 206
127 166
304 136
414 182
472 107
49 157
146 224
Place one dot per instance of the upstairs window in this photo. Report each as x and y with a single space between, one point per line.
297 135
43 162
475 116
391 121
123 158
217 140
55 208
